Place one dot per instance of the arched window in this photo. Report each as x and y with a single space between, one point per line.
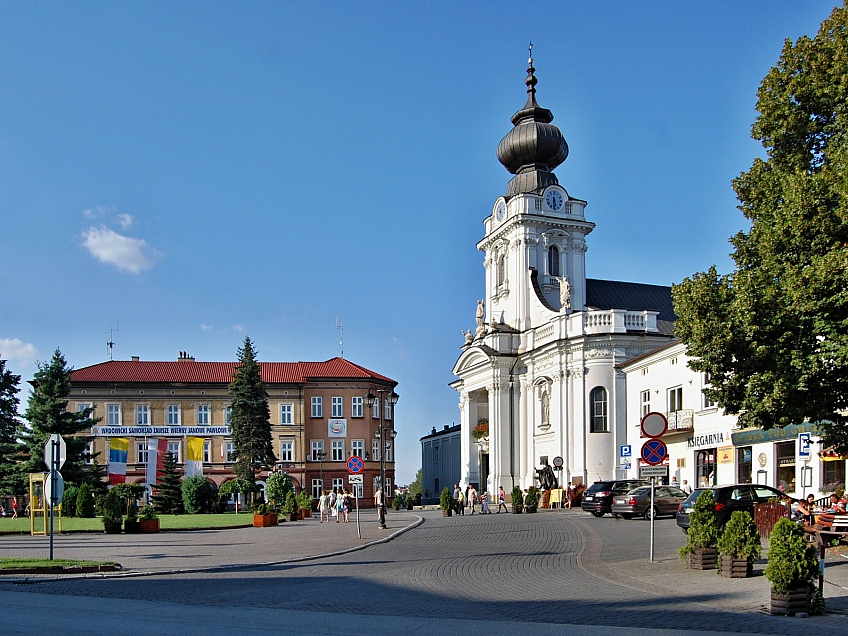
599 422
553 260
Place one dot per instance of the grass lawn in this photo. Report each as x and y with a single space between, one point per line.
21 525
7 564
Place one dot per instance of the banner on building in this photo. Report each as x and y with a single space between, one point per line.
194 456
118 450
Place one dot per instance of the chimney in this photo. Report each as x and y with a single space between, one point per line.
135 358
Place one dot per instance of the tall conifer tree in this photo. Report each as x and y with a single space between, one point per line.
250 419
10 448
169 496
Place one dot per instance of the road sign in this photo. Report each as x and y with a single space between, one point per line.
626 450
804 442
354 464
61 450
558 462
654 451
626 466
354 479
54 488
654 425
654 471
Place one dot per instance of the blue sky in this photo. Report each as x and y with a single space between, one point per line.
202 171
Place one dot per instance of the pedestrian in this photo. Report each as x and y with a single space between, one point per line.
686 487
347 503
501 499
14 507
484 504
472 498
674 482
323 508
569 494
461 503
378 501
456 492
703 483
331 504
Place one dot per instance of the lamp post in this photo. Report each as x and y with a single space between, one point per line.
381 433
321 455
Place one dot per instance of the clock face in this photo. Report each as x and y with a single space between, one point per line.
554 200
500 211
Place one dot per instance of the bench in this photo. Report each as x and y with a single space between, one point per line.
828 526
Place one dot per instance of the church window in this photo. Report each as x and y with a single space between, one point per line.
539 205
598 403
501 269
553 260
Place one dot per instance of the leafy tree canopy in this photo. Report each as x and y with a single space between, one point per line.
773 334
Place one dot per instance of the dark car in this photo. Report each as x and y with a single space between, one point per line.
637 503
728 500
597 498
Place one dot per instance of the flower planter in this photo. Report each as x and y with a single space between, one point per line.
516 510
735 568
293 516
147 526
447 513
791 602
112 526
530 509
264 521
703 559
132 526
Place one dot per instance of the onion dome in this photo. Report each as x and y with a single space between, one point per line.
534 147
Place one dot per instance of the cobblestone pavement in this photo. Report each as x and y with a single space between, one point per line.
564 569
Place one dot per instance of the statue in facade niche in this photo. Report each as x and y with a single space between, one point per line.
481 313
547 479
564 293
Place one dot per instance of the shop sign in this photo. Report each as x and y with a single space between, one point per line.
783 434
708 440
725 455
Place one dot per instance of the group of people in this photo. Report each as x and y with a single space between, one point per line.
336 503
470 498
804 510
14 514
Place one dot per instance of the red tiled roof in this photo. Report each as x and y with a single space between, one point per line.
221 372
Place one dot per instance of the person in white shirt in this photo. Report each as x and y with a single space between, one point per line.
686 487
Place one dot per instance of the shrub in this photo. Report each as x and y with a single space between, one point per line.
741 539
277 487
112 507
69 501
446 499
532 498
148 512
791 560
198 495
304 500
85 502
290 506
703 526
517 498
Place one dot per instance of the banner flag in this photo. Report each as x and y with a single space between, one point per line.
118 450
194 456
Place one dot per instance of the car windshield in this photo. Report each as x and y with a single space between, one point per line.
697 492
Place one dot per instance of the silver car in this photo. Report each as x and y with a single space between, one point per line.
637 502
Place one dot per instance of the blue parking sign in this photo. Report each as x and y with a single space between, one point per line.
804 441
626 450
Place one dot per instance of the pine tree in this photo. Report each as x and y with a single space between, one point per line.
47 413
169 499
96 477
250 419
10 448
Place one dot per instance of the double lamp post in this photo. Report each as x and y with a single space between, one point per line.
382 433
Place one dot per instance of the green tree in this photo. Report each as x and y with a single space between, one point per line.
250 419
10 447
773 334
47 413
96 477
85 502
415 487
169 498
199 496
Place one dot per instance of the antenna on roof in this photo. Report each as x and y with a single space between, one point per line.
340 326
111 344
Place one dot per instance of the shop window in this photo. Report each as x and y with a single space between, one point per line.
785 452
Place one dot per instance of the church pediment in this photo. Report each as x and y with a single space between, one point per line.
471 359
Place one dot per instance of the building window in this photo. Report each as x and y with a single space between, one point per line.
389 449
708 403
317 408
375 410
356 407
286 411
501 269
375 450
173 415
833 472
207 451
228 413
317 446
675 399
203 415
744 464
387 409
645 401
358 490
230 449
338 484
598 404
142 415
174 449
337 408
89 455
317 487
337 448
435 454
141 452
357 447
538 205
82 406
287 450
785 466
113 414
553 260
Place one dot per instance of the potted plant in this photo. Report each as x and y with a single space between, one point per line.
111 507
304 504
531 501
481 431
446 502
131 523
397 502
290 507
517 500
739 546
792 565
148 519
702 535
409 502
262 518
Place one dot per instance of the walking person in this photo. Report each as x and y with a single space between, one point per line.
569 495
686 487
472 498
460 503
501 499
323 508
346 505
14 507
378 501
456 493
331 504
484 504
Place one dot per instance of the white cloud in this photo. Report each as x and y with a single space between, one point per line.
125 220
206 327
98 211
24 353
240 328
131 254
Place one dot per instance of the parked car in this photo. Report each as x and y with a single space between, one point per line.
729 499
598 497
637 502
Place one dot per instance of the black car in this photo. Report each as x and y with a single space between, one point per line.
597 498
729 499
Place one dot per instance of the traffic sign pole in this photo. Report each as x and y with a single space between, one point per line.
53 461
653 483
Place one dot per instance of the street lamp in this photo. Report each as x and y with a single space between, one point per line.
381 433
321 455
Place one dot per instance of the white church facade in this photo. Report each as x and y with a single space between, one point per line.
537 379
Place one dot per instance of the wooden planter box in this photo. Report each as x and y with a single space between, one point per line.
703 559
112 527
794 600
529 509
447 513
264 521
147 526
516 510
735 568
132 526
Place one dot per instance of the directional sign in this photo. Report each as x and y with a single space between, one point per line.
804 442
654 471
654 425
61 450
626 450
354 479
354 464
54 488
654 451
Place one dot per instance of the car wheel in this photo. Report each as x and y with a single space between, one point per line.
652 513
598 513
627 516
